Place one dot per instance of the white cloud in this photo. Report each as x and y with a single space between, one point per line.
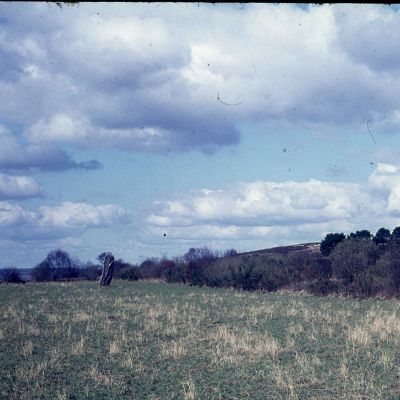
282 212
18 156
64 128
12 214
81 215
59 127
57 222
266 202
146 79
384 178
13 187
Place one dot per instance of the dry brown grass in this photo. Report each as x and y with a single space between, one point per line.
189 389
233 346
143 340
100 378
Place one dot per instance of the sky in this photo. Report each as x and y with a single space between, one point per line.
147 129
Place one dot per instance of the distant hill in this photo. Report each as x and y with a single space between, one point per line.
296 248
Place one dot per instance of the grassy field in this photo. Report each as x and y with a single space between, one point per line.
161 341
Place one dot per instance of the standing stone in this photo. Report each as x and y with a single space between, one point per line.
108 268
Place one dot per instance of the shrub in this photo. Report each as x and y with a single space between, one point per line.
129 273
151 268
245 276
230 253
90 271
42 272
324 268
176 273
257 275
389 265
323 287
198 261
351 257
317 267
363 284
200 254
10 275
195 272
120 265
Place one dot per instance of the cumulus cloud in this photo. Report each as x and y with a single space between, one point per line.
15 156
277 210
13 214
18 187
81 215
64 128
268 203
370 36
67 219
182 78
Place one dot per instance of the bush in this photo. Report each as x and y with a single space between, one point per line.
120 265
90 271
323 287
200 254
196 272
245 276
389 265
230 253
150 269
363 284
175 271
129 273
10 275
258 274
351 257
198 261
42 272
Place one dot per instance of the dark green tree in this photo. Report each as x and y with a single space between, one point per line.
364 234
382 236
396 233
330 241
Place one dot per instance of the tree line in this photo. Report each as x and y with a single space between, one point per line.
358 264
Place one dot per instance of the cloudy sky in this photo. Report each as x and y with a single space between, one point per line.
146 129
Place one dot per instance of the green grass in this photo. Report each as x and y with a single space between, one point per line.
146 340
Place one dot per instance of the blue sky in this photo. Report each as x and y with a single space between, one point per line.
225 126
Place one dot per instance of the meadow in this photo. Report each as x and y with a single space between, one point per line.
153 340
